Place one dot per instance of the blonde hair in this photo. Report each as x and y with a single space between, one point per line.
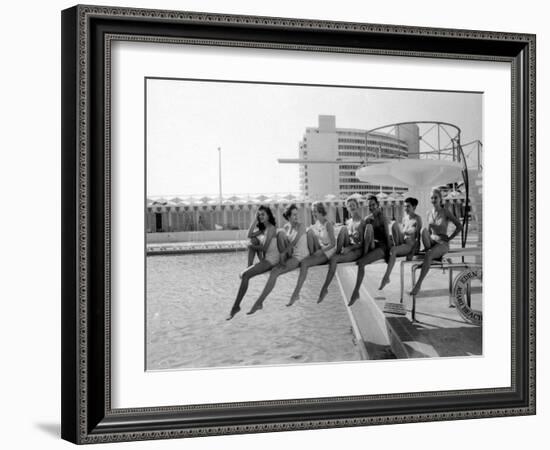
352 198
438 192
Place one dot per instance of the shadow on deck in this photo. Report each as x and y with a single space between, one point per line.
439 330
423 340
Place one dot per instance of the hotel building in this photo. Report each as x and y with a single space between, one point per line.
339 152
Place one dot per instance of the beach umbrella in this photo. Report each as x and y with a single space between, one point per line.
453 195
418 175
160 201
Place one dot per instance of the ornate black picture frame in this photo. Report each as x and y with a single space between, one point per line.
87 34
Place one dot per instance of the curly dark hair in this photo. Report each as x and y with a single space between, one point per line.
411 201
270 217
373 197
288 211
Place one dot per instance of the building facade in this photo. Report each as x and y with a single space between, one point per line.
337 153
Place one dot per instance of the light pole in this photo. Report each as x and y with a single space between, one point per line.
220 173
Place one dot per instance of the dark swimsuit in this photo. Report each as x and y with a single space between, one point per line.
378 223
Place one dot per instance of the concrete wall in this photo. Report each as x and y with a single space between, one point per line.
409 133
322 178
196 236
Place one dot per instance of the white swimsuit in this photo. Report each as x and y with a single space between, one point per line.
324 239
272 252
409 229
353 230
300 250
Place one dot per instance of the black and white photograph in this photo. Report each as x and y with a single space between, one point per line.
297 224
259 225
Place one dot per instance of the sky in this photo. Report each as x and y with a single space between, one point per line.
255 124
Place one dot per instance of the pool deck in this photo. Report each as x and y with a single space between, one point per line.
439 330
182 248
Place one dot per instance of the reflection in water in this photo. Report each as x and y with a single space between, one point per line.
189 297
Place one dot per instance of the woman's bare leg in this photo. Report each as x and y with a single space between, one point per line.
333 262
261 267
342 240
253 252
436 251
282 241
400 250
368 241
397 234
290 265
370 257
306 263
251 255
312 241
368 246
426 239
282 245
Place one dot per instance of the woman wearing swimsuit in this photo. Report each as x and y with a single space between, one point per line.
434 237
321 244
256 239
406 237
376 243
349 245
264 219
292 245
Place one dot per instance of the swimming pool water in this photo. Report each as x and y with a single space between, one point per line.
189 297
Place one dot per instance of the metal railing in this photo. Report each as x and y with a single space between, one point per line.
434 140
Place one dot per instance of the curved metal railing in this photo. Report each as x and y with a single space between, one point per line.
455 150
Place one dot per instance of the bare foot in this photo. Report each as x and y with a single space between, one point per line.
322 295
255 307
293 299
234 311
383 283
354 298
